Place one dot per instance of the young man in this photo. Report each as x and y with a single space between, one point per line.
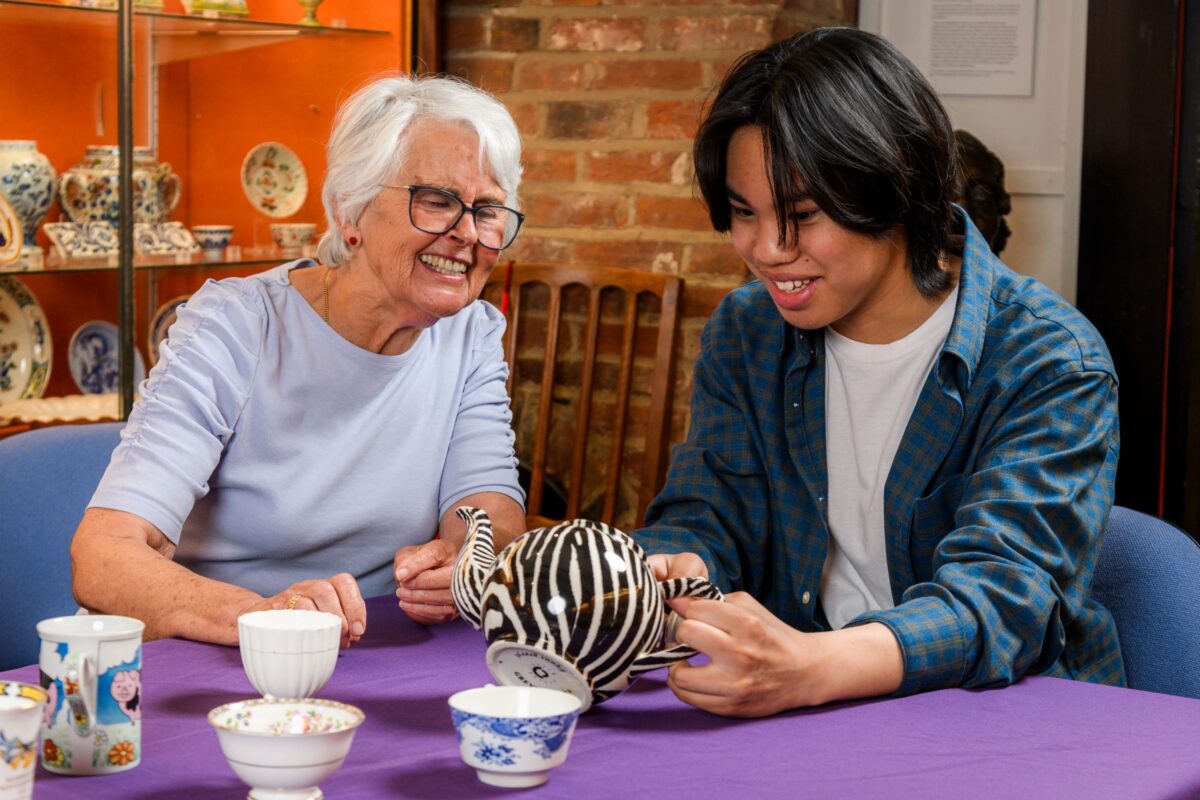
900 450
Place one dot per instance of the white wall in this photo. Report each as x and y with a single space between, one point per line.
1039 138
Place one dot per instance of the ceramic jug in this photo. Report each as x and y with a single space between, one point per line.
573 606
27 180
90 190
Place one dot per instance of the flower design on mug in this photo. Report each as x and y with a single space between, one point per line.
121 753
52 754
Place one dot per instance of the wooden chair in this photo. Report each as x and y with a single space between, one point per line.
599 312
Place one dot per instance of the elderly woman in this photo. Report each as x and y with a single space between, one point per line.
324 418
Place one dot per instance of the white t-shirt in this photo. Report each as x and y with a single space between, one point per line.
270 449
870 393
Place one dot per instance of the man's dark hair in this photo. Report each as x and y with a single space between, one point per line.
848 121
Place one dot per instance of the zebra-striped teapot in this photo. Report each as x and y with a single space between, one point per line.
573 607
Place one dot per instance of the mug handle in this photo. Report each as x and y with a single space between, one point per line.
79 689
672 588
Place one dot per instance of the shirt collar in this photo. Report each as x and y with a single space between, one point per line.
969 330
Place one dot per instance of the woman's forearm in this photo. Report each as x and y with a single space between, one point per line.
118 569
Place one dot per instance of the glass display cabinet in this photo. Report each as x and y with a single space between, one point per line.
208 118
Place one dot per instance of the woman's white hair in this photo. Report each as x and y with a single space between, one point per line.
367 145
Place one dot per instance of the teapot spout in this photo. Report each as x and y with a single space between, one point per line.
476 561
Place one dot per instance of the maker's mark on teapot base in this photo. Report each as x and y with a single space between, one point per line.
514 664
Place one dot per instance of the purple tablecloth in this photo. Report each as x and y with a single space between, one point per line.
1042 737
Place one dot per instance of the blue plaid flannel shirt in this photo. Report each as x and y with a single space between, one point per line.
994 504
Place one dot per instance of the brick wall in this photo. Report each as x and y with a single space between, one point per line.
608 95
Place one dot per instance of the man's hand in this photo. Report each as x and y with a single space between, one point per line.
423 575
759 665
337 595
677 565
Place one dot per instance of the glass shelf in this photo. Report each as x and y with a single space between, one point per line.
178 37
230 257
38 11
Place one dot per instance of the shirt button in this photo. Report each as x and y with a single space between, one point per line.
804 598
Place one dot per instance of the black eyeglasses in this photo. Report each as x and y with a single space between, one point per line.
438 211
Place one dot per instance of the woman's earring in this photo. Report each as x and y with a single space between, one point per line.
352 241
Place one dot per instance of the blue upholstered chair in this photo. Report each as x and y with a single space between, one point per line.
1148 576
47 477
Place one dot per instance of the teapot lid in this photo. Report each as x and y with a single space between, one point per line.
514 664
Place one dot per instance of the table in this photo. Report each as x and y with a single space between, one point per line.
1042 737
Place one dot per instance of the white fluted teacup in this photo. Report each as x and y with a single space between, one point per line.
289 653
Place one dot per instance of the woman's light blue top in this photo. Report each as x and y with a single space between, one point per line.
269 449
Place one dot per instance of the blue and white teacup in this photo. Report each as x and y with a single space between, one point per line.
91 668
212 237
514 735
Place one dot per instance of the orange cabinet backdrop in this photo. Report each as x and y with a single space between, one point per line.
204 98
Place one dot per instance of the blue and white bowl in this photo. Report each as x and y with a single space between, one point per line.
514 735
213 237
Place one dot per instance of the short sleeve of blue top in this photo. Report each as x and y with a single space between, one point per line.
993 506
270 449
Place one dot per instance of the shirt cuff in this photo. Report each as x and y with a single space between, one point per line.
933 643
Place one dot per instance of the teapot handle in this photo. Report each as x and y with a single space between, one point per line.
172 191
71 188
675 587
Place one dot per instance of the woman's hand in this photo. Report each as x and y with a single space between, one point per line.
759 665
423 575
337 595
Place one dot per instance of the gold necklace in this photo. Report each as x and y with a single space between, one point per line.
325 294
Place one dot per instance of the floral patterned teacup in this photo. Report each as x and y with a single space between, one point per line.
20 714
514 735
91 668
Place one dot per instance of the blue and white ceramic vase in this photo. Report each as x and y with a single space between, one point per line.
27 180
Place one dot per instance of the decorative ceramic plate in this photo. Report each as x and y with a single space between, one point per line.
162 321
163 238
82 239
25 344
94 356
274 180
72 408
10 232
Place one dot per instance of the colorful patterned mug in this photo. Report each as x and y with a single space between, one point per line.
573 607
20 714
91 668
